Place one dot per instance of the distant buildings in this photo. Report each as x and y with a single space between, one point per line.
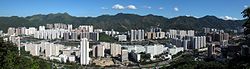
124 55
115 49
137 35
49 49
86 28
211 50
155 33
198 42
180 34
174 50
122 37
84 49
11 31
187 39
98 50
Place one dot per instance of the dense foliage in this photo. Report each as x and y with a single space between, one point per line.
122 22
189 62
10 59
106 38
246 14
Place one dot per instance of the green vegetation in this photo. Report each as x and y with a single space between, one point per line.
121 21
10 59
188 62
106 38
246 14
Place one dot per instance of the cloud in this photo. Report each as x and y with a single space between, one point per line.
161 8
104 8
228 18
147 7
176 9
118 7
131 7
245 6
192 16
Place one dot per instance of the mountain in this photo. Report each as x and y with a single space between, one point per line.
122 21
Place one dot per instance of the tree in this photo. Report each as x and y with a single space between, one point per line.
9 58
246 14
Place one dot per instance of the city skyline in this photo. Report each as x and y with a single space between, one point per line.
167 8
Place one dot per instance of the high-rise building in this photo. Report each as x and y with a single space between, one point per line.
41 28
30 31
115 49
11 31
206 30
70 27
155 33
84 49
137 35
92 36
86 28
245 50
18 31
100 50
49 26
198 42
185 44
211 50
1 33
124 55
23 30
122 37
190 33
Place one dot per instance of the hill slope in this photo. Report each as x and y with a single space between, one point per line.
122 22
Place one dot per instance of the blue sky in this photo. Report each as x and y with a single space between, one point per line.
168 8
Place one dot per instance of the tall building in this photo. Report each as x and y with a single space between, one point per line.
206 30
11 31
30 31
70 27
98 50
86 28
1 33
124 55
245 50
115 49
155 33
41 28
211 50
198 42
84 49
137 35
23 30
122 37
18 31
190 33
172 33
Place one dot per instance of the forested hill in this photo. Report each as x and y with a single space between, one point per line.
122 21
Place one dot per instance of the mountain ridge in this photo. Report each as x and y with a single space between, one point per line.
122 21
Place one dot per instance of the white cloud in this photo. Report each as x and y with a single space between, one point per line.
192 16
176 9
131 7
147 7
228 18
161 8
245 6
104 8
118 7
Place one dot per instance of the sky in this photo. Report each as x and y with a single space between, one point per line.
227 9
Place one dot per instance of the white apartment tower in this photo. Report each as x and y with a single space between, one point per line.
84 49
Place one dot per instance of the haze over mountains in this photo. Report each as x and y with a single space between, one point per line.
122 21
